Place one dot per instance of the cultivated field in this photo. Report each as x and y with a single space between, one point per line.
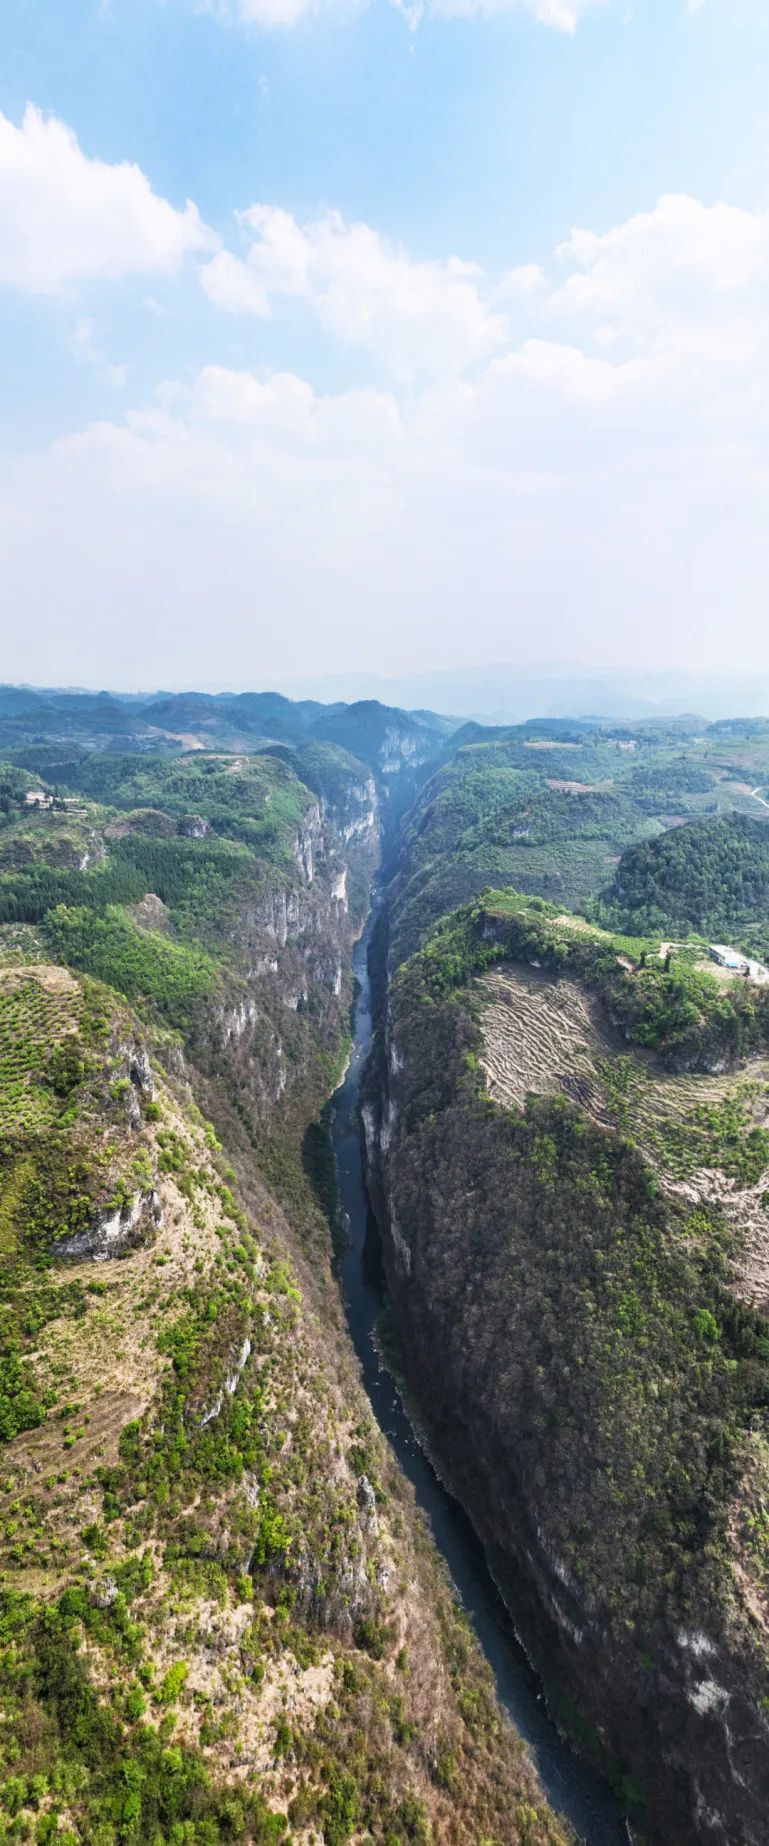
707 1136
38 1007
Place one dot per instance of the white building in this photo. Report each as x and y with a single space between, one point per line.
728 958
737 963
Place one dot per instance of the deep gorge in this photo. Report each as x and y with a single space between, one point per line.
572 1788
213 1492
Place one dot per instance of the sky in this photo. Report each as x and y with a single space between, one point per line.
383 336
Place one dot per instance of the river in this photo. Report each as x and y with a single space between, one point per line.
571 1787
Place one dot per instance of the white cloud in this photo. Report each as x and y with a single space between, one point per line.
87 352
282 402
524 279
683 277
267 12
599 471
562 15
414 316
67 218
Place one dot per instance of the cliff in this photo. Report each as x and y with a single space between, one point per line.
569 1153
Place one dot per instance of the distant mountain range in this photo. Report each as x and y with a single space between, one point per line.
502 693
41 726
422 709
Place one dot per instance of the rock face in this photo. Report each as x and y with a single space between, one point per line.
193 827
111 1233
152 913
141 820
593 1391
292 940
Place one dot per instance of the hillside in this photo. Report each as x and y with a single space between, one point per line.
571 1163
49 730
221 1618
711 876
553 807
221 1612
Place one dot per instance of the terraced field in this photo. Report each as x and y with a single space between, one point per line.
39 1006
540 1036
707 1136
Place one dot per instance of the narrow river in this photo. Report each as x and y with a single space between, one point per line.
571 1787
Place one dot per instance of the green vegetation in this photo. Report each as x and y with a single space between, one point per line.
57 1171
719 1135
651 783
712 876
219 1620
366 728
550 807
140 963
681 1011
127 1783
597 1365
666 1370
26 896
255 799
39 1064
249 811
325 768
576 1156
492 818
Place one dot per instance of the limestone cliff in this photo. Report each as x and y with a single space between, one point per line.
570 1163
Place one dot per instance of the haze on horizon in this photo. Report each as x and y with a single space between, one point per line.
352 344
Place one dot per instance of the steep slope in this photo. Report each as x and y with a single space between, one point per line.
569 1153
220 1618
398 747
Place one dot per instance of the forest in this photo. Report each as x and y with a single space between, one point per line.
711 876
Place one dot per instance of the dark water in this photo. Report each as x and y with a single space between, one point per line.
571 1787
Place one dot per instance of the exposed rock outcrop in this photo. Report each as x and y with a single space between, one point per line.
292 942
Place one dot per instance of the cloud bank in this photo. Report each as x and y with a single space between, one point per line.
553 457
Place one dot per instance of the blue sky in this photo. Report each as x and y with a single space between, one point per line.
459 352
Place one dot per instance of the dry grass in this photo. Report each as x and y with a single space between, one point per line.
547 1037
